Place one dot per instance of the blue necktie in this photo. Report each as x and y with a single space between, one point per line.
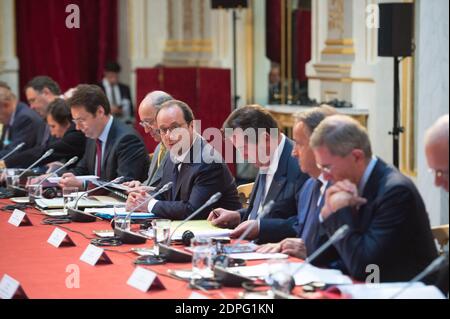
259 197
310 232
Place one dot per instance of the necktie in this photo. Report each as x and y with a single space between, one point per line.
259 196
161 154
99 157
174 179
310 230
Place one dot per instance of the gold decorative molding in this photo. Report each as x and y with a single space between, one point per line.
342 80
343 42
333 68
338 51
250 33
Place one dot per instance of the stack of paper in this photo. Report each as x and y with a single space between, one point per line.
93 201
391 291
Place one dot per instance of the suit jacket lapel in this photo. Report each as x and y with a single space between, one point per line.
109 143
279 179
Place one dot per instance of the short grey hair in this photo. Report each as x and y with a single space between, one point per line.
341 134
156 99
438 131
313 117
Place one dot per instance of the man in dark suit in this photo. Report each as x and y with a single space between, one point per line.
255 134
20 123
310 199
389 226
436 150
195 168
68 141
113 149
118 94
147 113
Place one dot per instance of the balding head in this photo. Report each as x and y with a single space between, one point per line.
148 109
436 149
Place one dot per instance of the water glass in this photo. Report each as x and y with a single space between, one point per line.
69 195
12 178
280 275
202 258
161 228
34 192
120 218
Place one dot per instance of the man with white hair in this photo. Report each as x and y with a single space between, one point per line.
436 150
147 113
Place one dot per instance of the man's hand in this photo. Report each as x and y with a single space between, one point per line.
132 184
241 228
269 248
70 180
293 247
340 195
224 218
135 201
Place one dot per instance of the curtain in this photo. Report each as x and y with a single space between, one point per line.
45 46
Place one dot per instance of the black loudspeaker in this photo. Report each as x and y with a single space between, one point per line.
228 4
395 34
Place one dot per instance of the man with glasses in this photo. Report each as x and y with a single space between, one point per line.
196 170
113 149
147 113
389 226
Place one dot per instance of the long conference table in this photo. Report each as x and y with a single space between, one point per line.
43 269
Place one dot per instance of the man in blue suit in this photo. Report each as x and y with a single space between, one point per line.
279 178
196 170
20 123
389 226
310 198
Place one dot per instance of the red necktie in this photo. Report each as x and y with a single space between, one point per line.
99 157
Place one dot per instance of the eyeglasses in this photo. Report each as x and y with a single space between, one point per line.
324 168
165 131
147 124
438 173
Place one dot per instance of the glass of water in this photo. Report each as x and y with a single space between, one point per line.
120 218
12 178
161 230
202 258
69 195
34 193
279 275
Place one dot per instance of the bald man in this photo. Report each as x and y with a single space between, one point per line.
147 113
436 150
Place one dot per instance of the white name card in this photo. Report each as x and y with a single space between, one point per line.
95 255
59 238
19 218
143 279
11 289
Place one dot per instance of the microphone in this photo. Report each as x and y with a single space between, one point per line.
209 202
128 237
69 162
82 217
338 235
267 208
176 255
162 190
46 154
18 147
435 265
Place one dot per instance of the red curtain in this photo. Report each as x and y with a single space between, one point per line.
45 46
303 33
273 30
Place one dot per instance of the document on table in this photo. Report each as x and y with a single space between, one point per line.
88 178
390 290
258 256
199 228
93 201
306 275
